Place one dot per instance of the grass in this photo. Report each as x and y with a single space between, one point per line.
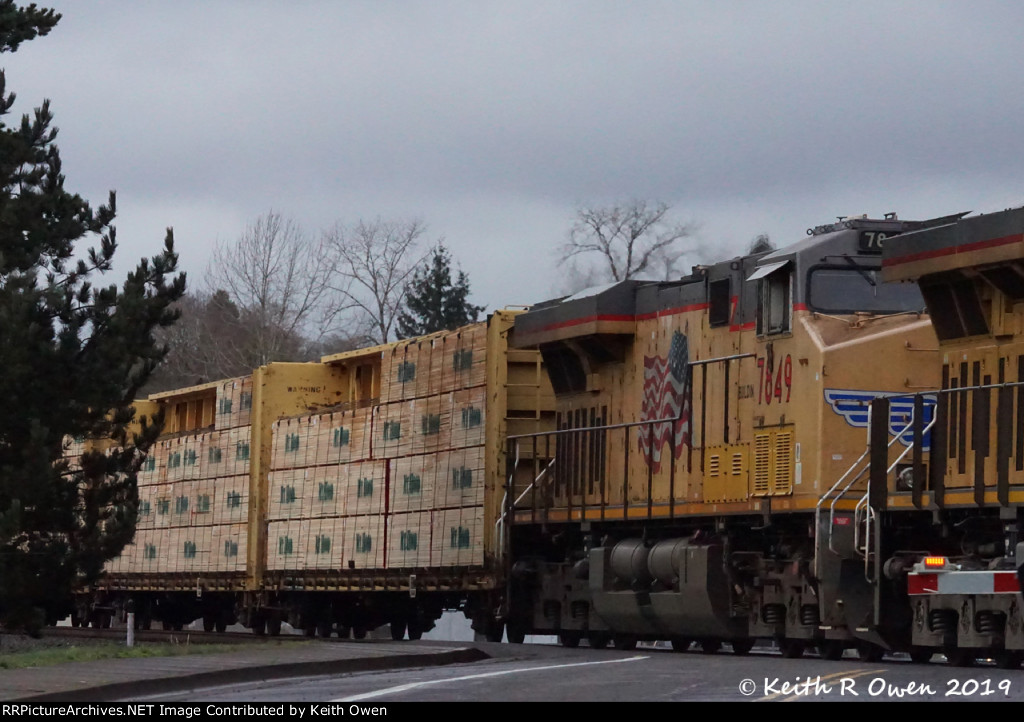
108 650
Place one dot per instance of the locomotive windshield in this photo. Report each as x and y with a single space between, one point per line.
849 289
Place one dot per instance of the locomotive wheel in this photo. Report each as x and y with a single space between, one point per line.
867 652
742 647
791 648
208 623
344 632
398 630
274 626
831 649
570 639
1008 659
325 627
598 640
710 646
959 657
624 641
681 644
920 656
359 632
221 626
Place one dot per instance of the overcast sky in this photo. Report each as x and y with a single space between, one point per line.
493 121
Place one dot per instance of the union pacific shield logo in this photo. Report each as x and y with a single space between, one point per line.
853 405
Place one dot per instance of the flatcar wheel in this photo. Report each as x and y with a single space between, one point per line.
598 640
570 639
920 656
681 644
208 623
398 630
359 632
1009 659
222 626
867 652
742 647
259 624
344 632
495 631
624 641
516 634
831 649
792 648
415 631
274 626
325 627
309 628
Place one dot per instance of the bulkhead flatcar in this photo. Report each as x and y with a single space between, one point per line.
336 496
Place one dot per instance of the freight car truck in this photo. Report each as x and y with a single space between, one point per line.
363 490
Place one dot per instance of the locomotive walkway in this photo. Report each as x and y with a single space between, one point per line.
131 679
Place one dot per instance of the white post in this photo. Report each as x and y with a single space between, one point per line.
130 608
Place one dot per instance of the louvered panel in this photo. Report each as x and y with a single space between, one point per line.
762 464
783 476
738 467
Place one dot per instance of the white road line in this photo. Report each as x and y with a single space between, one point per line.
414 685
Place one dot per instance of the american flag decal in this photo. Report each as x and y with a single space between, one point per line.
666 396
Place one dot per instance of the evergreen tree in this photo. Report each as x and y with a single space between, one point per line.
432 301
73 357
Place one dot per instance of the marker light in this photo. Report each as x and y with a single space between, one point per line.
934 562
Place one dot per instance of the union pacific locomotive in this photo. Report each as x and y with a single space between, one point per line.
785 446
818 445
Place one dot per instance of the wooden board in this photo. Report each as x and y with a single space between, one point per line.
409 540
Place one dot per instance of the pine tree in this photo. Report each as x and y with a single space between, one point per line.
432 301
73 356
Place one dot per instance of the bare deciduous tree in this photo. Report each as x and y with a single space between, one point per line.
760 244
374 260
280 282
632 239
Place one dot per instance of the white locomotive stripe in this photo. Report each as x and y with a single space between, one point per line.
415 685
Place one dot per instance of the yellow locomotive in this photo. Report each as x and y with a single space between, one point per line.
710 461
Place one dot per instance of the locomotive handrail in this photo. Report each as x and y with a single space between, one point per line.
499 524
841 494
606 427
